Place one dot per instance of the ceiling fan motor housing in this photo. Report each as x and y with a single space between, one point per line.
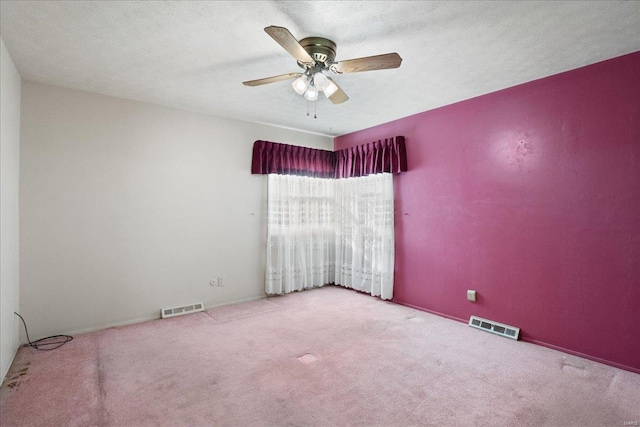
323 51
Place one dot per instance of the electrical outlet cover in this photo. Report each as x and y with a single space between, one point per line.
471 295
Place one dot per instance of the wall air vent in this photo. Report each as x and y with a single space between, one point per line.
494 327
179 311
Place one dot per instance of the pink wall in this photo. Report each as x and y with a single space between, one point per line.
531 196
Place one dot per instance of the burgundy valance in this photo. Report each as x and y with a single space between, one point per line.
284 159
388 155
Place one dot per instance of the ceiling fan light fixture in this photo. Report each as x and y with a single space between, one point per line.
330 88
300 84
311 93
320 81
315 55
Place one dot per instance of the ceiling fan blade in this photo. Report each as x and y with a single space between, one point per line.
285 39
338 97
369 63
271 79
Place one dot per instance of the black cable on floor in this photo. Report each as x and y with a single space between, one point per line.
42 342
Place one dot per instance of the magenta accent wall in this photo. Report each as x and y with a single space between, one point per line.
531 196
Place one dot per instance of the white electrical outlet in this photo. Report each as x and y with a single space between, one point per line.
220 281
471 295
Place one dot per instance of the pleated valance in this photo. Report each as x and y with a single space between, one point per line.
284 159
388 155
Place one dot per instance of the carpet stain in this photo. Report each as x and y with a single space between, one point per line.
13 385
22 372
14 379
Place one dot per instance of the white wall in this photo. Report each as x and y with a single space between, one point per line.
127 207
9 214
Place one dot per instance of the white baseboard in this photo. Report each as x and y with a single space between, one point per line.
143 319
146 319
235 302
113 325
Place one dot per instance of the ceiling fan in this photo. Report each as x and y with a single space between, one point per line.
316 55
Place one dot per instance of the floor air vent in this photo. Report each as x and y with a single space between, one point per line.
179 311
494 327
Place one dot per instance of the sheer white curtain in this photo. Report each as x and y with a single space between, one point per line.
324 231
364 234
300 233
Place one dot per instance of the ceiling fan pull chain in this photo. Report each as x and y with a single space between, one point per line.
307 108
315 110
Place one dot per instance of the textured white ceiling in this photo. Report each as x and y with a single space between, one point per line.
195 55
